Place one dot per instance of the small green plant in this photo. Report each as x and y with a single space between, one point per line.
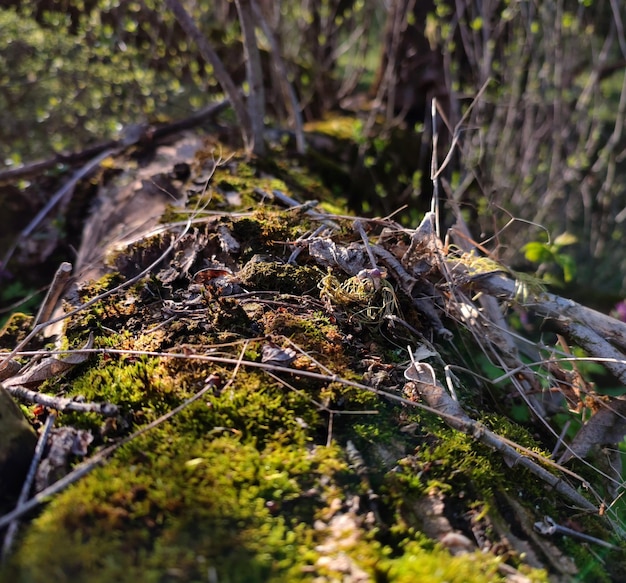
550 254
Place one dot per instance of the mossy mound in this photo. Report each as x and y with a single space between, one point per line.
298 464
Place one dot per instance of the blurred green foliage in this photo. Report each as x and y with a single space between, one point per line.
550 254
544 140
66 84
71 77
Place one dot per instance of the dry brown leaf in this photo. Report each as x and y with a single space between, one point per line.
351 258
49 367
228 243
62 443
424 248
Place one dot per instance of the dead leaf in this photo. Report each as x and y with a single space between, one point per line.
424 248
228 243
277 356
186 253
222 281
351 258
420 372
206 275
49 367
62 443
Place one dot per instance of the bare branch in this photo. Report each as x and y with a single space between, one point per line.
62 403
254 73
279 65
211 57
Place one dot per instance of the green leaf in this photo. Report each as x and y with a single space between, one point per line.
476 24
537 252
568 264
520 413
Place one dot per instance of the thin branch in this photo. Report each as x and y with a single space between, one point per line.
434 203
281 69
65 190
254 73
211 57
28 483
150 133
62 403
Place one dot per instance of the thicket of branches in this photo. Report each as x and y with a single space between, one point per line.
533 92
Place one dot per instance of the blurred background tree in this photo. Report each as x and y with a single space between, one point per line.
542 143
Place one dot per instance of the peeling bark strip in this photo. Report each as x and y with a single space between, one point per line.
551 306
48 368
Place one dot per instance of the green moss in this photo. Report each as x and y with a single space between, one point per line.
342 127
140 386
267 231
17 327
436 565
284 278
177 508
256 409
301 182
129 261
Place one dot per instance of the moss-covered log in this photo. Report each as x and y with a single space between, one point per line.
310 454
